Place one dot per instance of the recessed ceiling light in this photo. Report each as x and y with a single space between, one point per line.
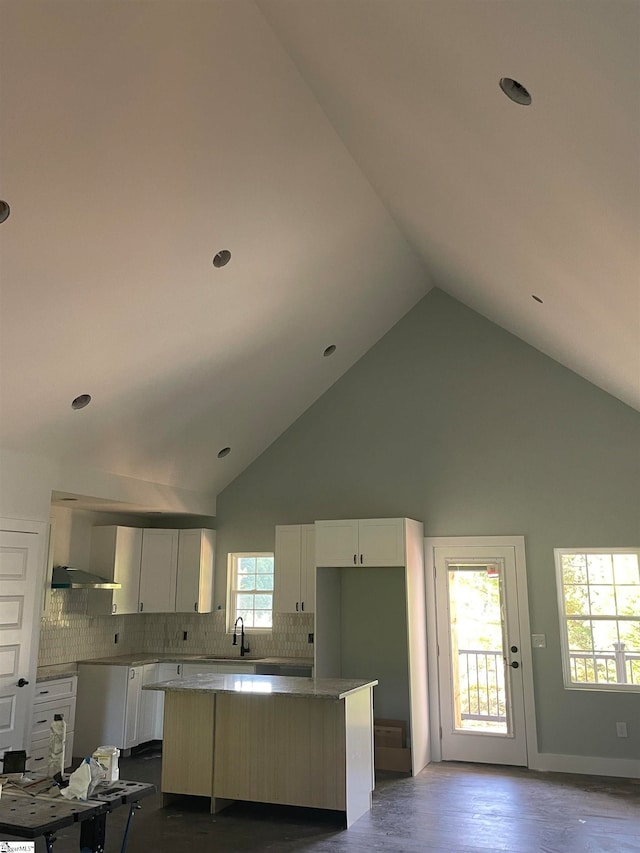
537 298
329 350
5 210
224 452
222 258
81 401
515 91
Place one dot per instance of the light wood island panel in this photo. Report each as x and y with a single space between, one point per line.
289 741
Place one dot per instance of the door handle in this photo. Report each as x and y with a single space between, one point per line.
22 682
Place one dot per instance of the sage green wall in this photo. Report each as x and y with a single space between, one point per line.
453 421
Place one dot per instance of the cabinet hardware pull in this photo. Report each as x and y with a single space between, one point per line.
39 759
360 559
195 606
296 606
141 607
41 692
41 721
355 561
115 608
302 606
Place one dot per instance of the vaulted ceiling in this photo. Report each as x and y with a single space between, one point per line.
350 154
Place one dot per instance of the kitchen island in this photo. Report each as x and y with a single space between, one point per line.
270 739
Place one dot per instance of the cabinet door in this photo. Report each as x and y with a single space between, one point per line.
158 571
128 557
194 588
133 707
149 704
169 671
381 542
308 567
337 543
287 598
115 554
166 672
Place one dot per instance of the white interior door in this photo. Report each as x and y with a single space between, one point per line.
20 557
479 654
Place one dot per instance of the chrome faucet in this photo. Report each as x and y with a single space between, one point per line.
243 649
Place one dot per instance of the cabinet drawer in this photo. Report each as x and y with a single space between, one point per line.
43 713
60 688
40 750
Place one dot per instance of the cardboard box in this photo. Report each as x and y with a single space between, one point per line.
390 758
390 733
390 751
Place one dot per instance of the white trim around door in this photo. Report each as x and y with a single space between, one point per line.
517 543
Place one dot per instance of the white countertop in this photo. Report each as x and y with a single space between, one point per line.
310 688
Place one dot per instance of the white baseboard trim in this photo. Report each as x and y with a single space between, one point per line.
589 765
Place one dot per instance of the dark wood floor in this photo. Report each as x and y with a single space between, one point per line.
448 808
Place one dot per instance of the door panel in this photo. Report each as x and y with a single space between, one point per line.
479 662
19 570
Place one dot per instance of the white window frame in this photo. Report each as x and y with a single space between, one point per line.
233 591
569 684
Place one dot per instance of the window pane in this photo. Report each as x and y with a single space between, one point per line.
603 602
576 600
263 602
630 636
580 637
574 568
600 567
628 600
263 619
246 565
605 634
625 567
264 581
244 602
246 581
265 564
247 617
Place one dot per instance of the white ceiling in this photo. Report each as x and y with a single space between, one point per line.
351 154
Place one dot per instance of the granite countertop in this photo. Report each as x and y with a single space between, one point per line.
48 673
142 658
61 670
309 688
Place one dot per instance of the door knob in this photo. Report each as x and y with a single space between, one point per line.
22 682
515 664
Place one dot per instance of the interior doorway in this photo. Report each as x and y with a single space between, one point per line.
480 677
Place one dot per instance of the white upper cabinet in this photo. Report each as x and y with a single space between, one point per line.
196 556
158 570
115 554
295 586
360 542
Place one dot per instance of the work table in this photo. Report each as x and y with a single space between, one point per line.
276 685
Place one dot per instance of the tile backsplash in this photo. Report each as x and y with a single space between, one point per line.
67 634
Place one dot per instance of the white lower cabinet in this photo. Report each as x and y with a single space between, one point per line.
218 668
52 697
112 709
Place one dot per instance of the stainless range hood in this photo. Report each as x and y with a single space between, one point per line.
64 577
